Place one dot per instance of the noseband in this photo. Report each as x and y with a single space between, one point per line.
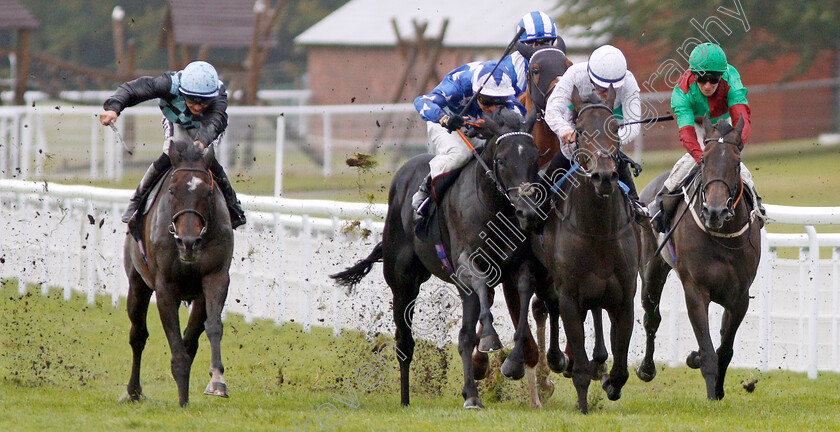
731 201
172 229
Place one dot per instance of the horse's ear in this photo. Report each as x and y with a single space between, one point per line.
576 100
489 124
526 50
174 152
530 121
209 154
610 96
707 125
740 128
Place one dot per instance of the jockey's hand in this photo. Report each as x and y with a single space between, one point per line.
107 117
198 144
568 136
451 123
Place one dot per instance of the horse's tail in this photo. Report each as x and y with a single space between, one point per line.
354 275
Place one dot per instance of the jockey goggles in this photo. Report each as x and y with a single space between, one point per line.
540 42
708 77
491 100
198 100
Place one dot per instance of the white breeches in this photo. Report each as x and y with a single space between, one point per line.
449 149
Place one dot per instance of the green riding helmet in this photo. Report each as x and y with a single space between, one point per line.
707 57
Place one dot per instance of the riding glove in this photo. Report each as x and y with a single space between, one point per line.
452 122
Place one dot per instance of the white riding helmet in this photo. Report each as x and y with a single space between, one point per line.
199 79
606 66
498 85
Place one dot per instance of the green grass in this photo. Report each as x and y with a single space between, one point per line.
64 365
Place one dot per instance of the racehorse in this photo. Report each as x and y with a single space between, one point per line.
715 253
590 248
188 249
475 223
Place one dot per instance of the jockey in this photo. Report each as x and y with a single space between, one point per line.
540 32
606 67
710 87
441 110
193 98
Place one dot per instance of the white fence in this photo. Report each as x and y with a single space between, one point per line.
70 238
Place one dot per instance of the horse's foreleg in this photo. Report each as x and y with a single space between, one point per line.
729 326
215 293
525 349
404 290
180 364
546 386
557 361
489 339
654 274
620 332
466 344
481 361
195 327
573 324
599 352
138 305
698 313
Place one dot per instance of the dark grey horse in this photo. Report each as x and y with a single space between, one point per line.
483 244
716 262
590 248
188 244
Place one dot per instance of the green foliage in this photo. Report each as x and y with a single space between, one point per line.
775 27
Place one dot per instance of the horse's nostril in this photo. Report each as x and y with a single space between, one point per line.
614 176
179 240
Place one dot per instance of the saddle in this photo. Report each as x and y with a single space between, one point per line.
135 227
428 229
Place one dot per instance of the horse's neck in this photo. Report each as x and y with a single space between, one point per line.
546 140
594 214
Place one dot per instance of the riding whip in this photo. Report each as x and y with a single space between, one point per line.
650 120
504 54
120 138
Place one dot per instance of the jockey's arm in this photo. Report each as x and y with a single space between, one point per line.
557 113
631 107
681 106
134 92
215 119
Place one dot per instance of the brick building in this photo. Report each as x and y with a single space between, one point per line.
354 56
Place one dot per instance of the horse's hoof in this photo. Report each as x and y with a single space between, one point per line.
473 403
128 397
216 389
598 370
557 361
693 360
645 373
546 389
490 343
512 369
613 392
481 365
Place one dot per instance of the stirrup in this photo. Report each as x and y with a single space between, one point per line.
420 211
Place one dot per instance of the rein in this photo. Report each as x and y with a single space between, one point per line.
493 173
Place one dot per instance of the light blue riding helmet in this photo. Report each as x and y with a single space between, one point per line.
199 79
538 25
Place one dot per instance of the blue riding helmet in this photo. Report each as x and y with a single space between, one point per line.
199 79
538 25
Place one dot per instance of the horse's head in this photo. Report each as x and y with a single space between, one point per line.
545 66
514 163
191 194
597 140
721 172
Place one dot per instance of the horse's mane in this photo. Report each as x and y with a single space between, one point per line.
724 127
186 149
591 98
508 119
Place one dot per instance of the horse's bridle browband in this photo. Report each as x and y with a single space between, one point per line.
190 210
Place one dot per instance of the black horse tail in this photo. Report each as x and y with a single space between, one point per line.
355 274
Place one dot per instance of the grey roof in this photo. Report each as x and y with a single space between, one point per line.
472 23
14 16
215 23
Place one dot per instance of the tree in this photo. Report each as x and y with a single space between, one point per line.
769 28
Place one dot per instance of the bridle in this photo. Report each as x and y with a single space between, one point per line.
731 201
172 229
600 153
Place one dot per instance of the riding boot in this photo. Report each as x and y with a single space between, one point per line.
237 215
658 219
157 169
639 208
420 200
762 211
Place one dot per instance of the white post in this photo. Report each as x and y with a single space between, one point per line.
249 276
90 245
813 293
764 304
114 221
673 325
279 266
118 159
109 139
69 252
279 143
14 147
835 287
94 143
25 145
338 295
4 146
41 145
305 236
327 144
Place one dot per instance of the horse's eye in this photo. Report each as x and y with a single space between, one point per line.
171 191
